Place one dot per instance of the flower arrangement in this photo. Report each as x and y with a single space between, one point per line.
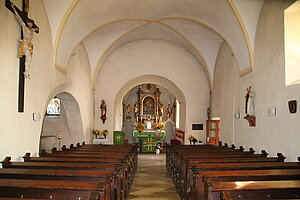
192 139
139 127
105 133
158 126
96 132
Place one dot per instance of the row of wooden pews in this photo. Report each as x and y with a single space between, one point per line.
223 172
81 172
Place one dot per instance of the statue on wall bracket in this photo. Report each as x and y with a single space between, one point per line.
103 111
127 112
249 107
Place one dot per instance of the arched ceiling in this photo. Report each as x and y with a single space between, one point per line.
198 26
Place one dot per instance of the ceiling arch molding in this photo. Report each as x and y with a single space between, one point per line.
246 37
242 71
58 36
201 58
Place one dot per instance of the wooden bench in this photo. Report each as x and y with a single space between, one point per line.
128 152
57 190
7 198
116 168
186 163
226 195
181 178
196 187
284 189
66 175
196 169
126 160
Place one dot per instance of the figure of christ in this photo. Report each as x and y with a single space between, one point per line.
26 47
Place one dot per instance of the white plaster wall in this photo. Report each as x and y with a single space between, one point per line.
19 134
153 57
225 101
80 86
275 134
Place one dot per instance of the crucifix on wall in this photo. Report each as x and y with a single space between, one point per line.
26 48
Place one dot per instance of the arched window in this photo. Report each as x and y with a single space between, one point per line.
292 44
54 107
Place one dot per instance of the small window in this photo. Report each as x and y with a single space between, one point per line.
53 108
177 114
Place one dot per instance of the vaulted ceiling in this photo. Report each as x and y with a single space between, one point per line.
198 26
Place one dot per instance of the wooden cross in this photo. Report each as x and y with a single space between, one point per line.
23 15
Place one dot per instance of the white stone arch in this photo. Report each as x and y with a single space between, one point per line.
149 78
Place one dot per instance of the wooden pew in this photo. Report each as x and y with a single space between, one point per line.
57 190
128 151
284 189
226 195
226 156
80 166
186 163
7 198
65 175
197 186
116 168
174 159
130 161
196 169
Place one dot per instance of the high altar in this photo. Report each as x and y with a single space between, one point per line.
148 112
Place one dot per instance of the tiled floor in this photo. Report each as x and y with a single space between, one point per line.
152 180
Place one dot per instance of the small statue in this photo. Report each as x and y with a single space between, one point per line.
136 109
127 112
161 109
169 111
249 102
103 111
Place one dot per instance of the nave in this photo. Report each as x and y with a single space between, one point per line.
152 180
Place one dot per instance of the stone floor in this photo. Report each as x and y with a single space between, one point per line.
152 180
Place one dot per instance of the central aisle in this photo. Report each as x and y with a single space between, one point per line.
152 180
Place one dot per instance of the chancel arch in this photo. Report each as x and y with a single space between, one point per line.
151 106
132 86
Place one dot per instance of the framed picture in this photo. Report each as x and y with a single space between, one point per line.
148 106
292 106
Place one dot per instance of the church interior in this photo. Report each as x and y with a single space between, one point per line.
150 77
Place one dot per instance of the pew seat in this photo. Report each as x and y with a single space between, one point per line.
254 189
57 190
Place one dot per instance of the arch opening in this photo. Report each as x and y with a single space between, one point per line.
127 95
65 128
